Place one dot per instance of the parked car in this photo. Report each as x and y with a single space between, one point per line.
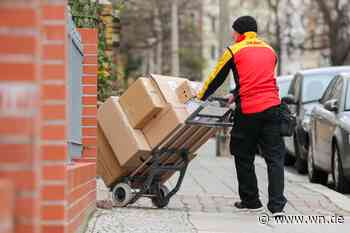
330 136
283 83
306 90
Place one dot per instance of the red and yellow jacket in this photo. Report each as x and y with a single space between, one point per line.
253 63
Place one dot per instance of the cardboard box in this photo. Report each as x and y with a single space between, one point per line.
160 127
167 86
187 90
107 167
127 143
141 102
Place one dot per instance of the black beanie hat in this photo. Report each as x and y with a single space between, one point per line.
245 24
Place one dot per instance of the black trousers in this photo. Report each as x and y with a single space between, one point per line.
263 130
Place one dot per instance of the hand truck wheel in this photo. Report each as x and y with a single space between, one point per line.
122 195
160 200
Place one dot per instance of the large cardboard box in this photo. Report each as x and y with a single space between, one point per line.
160 127
127 143
141 102
108 167
167 86
187 90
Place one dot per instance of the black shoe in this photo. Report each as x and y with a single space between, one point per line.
242 206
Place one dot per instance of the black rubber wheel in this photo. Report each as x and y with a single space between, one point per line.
315 175
340 183
160 201
122 195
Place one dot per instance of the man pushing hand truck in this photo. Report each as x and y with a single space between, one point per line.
257 120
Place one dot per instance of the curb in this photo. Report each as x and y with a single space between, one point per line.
340 200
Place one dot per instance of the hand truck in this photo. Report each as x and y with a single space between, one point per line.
172 155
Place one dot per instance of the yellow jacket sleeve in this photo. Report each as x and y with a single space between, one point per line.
217 76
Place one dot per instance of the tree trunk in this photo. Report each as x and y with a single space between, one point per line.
159 48
175 69
278 42
224 40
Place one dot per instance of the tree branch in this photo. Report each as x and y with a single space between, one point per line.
326 12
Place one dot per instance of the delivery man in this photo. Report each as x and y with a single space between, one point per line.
257 120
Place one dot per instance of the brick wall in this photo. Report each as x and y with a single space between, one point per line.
49 195
89 38
19 94
53 106
82 174
6 206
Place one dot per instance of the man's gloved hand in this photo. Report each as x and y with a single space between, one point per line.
231 99
197 96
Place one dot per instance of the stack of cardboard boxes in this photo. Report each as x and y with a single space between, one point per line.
131 126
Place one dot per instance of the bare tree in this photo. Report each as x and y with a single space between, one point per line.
327 26
336 17
146 37
320 26
175 69
274 6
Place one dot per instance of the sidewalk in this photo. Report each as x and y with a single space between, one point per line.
205 203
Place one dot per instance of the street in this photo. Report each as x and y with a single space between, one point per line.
205 203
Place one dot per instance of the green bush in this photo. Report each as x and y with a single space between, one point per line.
85 14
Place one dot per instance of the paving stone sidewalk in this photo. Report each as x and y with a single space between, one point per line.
205 203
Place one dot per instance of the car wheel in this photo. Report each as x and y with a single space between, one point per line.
315 175
300 164
340 183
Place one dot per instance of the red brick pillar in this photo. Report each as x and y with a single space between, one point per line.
50 194
6 206
19 94
53 71
89 40
33 102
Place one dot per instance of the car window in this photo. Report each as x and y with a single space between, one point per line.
328 93
347 100
283 87
314 86
336 90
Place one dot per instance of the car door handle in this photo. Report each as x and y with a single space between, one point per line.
319 117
